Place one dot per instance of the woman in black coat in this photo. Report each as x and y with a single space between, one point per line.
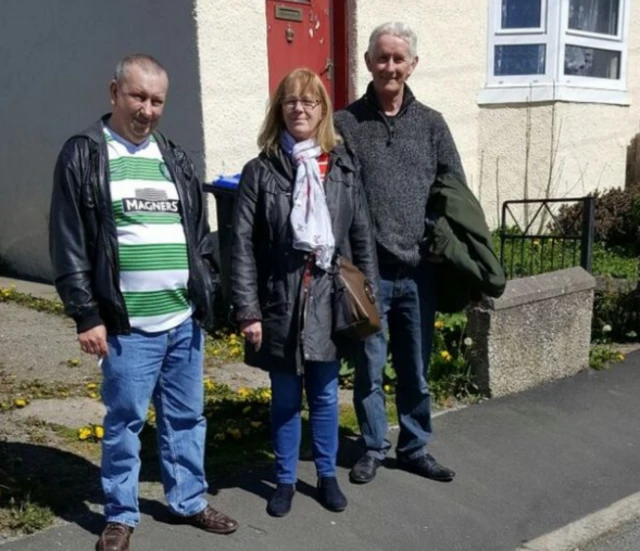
299 203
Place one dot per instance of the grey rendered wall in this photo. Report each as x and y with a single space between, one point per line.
57 59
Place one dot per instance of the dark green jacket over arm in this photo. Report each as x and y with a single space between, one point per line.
458 233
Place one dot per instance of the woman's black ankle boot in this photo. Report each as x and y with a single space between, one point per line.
280 502
330 494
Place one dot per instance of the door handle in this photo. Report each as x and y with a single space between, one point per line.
328 69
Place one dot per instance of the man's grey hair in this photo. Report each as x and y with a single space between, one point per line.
395 28
145 61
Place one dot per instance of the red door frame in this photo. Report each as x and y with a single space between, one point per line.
339 19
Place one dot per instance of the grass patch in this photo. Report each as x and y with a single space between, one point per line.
19 393
40 483
26 517
224 346
9 294
603 356
614 263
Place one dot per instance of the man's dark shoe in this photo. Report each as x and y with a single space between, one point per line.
364 470
280 502
115 537
209 520
426 466
330 495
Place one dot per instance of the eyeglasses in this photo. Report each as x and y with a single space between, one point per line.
307 104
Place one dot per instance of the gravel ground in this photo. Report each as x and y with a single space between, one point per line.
36 345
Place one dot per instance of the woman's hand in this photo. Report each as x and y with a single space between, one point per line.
252 331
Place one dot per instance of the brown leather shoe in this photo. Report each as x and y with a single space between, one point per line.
115 537
210 520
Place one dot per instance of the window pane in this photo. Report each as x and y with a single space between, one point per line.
594 16
591 62
521 14
525 59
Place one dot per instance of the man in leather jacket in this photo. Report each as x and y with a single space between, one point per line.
132 262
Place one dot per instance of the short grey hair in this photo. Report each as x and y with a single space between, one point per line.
395 28
145 61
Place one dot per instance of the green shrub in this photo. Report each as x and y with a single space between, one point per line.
617 218
616 310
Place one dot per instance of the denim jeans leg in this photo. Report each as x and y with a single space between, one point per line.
286 402
411 330
368 394
321 384
179 402
130 372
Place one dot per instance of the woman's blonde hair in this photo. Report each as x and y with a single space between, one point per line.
301 82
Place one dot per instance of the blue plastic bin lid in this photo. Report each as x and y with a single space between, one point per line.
229 182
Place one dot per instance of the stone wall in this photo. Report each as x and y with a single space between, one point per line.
538 331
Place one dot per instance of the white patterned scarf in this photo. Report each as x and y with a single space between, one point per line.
310 217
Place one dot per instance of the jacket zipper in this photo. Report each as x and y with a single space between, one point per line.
104 202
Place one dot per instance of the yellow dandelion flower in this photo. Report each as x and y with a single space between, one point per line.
445 355
84 433
387 388
93 395
98 431
243 392
439 324
620 356
20 403
74 362
91 386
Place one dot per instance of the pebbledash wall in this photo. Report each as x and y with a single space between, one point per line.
58 60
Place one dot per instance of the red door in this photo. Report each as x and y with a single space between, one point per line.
301 33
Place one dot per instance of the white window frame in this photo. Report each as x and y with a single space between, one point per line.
555 34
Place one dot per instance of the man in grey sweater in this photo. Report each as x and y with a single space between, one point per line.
401 145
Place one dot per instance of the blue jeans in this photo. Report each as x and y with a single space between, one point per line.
321 385
165 367
407 303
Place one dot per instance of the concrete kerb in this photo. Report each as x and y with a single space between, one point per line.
583 531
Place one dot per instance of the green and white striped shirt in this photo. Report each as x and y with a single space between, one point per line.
152 248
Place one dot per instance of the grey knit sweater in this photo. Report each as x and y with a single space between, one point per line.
400 158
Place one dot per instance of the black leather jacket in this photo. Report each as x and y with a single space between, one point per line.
83 241
266 271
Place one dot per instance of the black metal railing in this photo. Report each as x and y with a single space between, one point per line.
538 238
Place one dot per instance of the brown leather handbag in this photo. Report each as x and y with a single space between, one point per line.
355 313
